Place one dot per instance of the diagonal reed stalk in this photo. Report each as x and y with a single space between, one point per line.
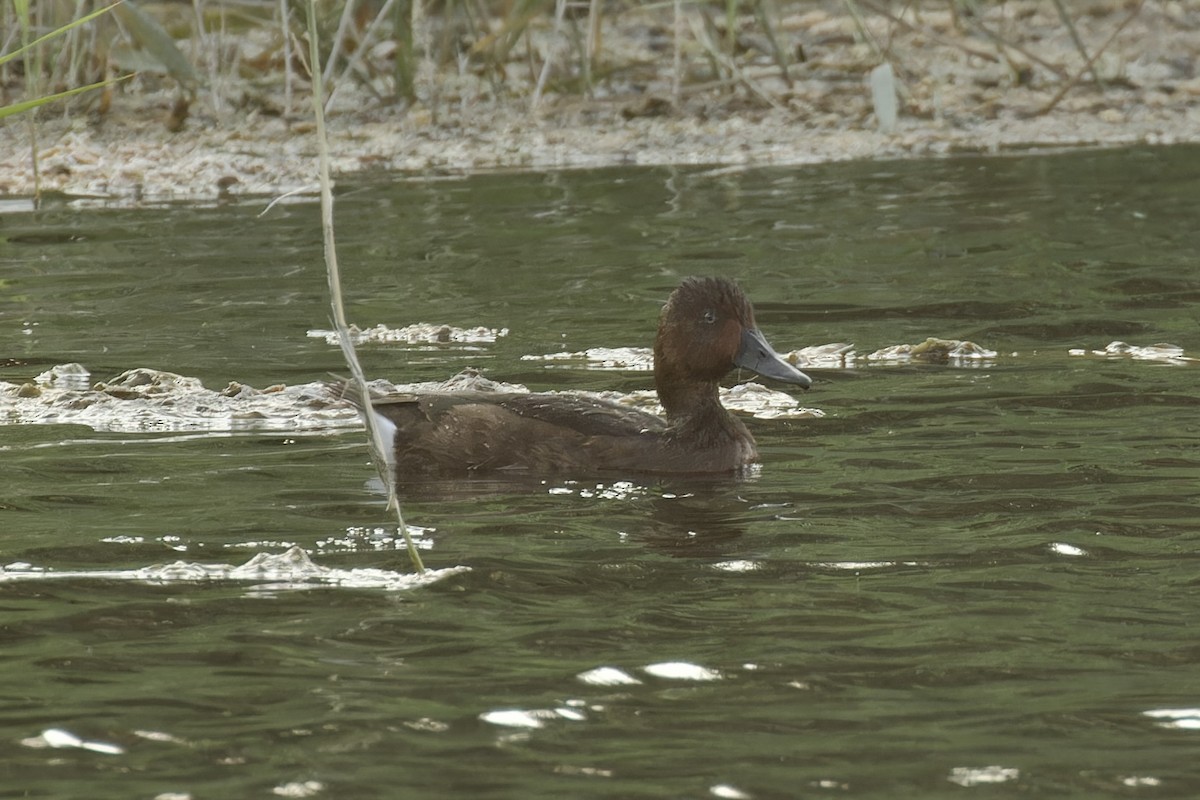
375 435
32 58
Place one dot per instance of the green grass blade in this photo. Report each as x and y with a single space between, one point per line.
22 7
17 108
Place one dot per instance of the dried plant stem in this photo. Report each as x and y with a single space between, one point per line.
354 64
731 68
560 8
375 437
32 60
677 53
924 30
593 36
1066 19
285 29
1071 83
863 30
339 40
202 49
425 83
1002 43
765 10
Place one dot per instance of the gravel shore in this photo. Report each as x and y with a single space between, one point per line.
1012 79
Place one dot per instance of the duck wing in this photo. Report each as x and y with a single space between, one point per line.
584 414
454 431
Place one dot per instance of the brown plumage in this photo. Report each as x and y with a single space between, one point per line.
706 329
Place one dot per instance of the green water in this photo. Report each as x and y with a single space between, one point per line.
958 568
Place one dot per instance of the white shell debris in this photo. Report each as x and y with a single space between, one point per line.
417 333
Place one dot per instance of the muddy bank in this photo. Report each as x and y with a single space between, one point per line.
1011 79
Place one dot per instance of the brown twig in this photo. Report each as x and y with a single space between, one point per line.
1070 84
1062 14
764 10
863 31
926 31
677 52
730 66
1000 41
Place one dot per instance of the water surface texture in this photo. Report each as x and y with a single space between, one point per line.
970 578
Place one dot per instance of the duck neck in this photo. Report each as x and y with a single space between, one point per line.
694 404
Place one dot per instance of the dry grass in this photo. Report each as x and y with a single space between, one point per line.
240 53
523 83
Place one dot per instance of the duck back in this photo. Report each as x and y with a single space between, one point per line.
552 433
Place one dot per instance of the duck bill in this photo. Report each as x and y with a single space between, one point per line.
757 355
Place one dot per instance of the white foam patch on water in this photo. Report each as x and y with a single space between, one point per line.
1162 353
763 403
839 355
290 570
150 400
835 355
948 351
632 359
417 333
145 400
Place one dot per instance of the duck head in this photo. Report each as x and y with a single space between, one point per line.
707 329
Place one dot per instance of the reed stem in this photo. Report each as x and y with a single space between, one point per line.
375 436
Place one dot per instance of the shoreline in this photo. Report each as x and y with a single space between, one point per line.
953 101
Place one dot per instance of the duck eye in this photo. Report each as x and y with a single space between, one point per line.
710 316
